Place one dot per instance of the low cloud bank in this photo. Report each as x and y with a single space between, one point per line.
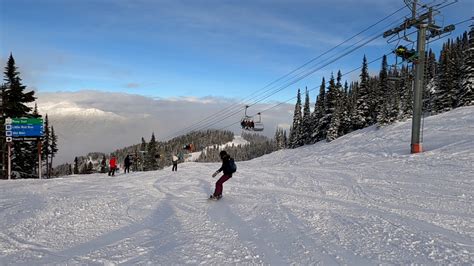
93 121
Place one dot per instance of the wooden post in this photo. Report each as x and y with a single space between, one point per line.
9 160
39 158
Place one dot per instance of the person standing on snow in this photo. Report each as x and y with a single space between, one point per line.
228 167
175 163
127 164
112 165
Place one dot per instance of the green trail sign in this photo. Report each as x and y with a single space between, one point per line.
31 121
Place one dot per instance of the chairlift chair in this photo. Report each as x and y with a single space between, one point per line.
393 73
249 123
258 125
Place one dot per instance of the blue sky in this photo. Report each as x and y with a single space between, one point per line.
168 49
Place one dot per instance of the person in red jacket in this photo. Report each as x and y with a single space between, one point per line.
112 165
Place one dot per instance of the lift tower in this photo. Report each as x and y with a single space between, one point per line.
427 29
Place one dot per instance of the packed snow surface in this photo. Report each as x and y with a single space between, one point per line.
362 199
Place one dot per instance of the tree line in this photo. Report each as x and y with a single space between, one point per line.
155 155
148 156
15 100
386 98
257 146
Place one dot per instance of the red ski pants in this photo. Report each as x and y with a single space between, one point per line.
219 185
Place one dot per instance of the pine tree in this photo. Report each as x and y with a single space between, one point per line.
345 118
143 145
151 162
84 169
361 116
15 97
35 113
444 98
54 148
333 130
306 122
280 139
76 166
333 109
466 96
430 81
295 131
384 95
46 145
318 113
331 103
14 105
405 94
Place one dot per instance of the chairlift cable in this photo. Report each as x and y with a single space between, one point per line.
281 103
302 66
312 89
300 78
309 72
294 81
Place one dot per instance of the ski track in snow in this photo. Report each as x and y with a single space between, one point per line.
361 200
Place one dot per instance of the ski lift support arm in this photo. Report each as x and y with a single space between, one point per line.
408 23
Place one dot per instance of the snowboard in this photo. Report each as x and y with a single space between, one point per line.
214 198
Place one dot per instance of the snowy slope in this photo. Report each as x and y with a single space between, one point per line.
360 200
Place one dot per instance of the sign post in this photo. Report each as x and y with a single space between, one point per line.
23 129
39 159
9 160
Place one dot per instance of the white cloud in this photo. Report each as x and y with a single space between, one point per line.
88 121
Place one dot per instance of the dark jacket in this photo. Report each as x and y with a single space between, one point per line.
127 161
226 166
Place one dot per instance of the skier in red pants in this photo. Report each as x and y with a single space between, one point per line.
228 167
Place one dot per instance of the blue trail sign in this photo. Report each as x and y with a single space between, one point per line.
24 127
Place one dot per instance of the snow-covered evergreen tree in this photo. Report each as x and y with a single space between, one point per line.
405 93
151 156
333 130
445 94
345 107
466 95
430 81
332 118
296 139
384 104
318 113
76 166
15 104
306 125
46 145
457 63
279 138
54 149
143 145
361 116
